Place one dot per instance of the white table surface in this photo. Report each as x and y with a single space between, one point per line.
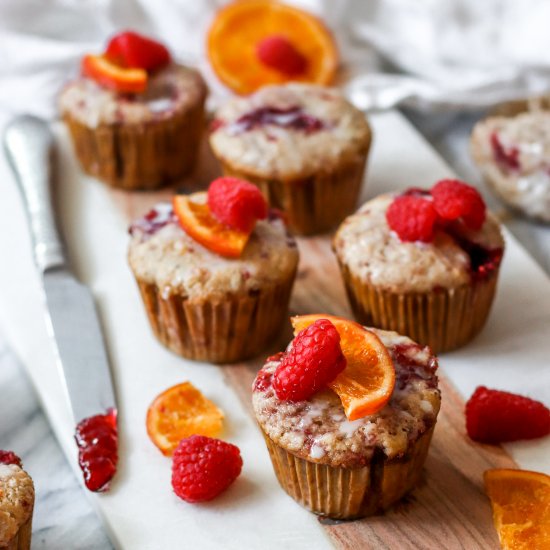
63 517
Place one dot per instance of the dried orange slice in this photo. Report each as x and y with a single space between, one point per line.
198 222
239 29
521 507
179 412
367 382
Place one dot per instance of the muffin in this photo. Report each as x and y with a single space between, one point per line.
16 504
349 469
513 154
139 140
305 147
203 305
437 289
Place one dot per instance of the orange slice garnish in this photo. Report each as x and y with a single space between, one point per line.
197 221
240 27
521 507
179 412
109 75
367 382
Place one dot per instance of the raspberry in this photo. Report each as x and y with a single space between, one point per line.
454 199
493 416
204 467
412 218
9 457
236 203
312 361
130 49
277 52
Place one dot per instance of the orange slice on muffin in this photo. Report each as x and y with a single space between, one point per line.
521 507
179 412
197 220
367 382
253 43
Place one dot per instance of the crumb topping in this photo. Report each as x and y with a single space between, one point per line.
289 131
162 253
175 88
367 246
318 430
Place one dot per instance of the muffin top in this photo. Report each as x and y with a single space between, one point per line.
365 244
16 500
514 154
173 89
162 253
290 131
318 430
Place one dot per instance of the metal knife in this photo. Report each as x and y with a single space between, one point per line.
70 313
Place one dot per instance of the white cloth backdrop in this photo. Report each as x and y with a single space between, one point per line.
457 53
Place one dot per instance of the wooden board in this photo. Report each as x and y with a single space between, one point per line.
448 510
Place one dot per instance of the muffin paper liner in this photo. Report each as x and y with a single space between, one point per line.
443 319
349 493
139 156
223 330
22 540
314 204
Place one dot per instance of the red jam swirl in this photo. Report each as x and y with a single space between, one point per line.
97 440
9 457
505 156
154 220
292 117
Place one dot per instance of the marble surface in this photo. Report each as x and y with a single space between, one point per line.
63 516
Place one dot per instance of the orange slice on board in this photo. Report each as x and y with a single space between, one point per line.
367 382
197 221
239 28
521 508
179 412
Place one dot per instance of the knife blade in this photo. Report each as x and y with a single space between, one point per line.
71 316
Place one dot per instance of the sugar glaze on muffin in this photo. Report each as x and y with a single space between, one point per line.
289 131
162 253
318 431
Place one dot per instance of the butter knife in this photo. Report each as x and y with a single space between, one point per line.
70 312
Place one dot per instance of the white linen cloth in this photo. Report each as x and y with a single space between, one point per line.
455 53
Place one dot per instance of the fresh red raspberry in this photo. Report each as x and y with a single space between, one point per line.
277 52
9 457
493 416
236 203
204 467
313 360
454 199
412 217
133 50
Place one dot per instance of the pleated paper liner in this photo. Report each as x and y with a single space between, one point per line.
139 156
224 330
314 204
349 493
444 319
22 540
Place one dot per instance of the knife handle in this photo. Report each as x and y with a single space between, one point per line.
29 146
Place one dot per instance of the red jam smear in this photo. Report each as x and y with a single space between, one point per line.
97 440
411 368
9 457
505 156
154 220
294 118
